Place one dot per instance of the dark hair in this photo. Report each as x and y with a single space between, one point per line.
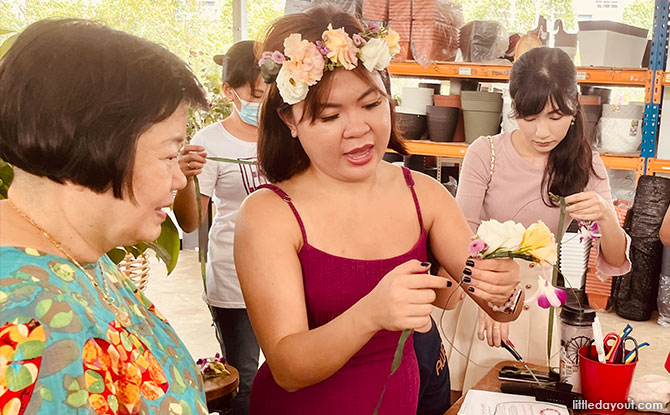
76 96
240 65
280 155
544 75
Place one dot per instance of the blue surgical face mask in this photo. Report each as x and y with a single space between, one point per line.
248 111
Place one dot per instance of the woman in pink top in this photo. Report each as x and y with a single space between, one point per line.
549 153
331 256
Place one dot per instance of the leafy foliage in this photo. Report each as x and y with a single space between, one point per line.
640 13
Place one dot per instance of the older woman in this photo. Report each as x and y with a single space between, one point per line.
92 120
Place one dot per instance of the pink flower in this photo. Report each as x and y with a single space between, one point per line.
357 39
477 247
305 63
278 57
373 26
321 48
264 56
547 295
342 48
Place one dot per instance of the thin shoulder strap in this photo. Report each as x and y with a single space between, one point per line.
410 183
286 198
493 160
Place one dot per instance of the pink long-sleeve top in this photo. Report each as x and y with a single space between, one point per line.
514 192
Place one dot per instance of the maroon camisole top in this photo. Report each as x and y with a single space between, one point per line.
332 285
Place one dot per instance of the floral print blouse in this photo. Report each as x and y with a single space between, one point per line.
63 352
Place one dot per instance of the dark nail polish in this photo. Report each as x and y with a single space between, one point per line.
471 289
470 263
467 280
425 264
467 271
448 283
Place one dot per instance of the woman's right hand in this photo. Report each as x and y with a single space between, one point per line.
495 332
192 160
403 298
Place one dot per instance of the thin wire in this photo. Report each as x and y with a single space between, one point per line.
453 346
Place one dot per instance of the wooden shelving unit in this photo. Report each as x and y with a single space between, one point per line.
658 166
631 162
635 77
585 74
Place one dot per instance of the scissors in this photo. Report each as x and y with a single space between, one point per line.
613 348
626 331
633 355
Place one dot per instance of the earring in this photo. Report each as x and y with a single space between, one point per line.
572 122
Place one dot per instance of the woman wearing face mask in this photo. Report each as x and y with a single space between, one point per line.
229 183
548 153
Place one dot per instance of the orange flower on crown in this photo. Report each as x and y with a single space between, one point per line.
305 63
392 39
342 50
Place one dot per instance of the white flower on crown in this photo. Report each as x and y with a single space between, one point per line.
291 90
375 54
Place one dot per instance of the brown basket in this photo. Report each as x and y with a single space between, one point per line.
137 269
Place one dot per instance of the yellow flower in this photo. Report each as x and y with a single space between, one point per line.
341 48
392 39
539 242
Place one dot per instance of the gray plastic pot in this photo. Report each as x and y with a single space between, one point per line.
482 112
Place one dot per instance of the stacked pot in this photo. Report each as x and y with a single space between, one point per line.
482 113
411 116
621 128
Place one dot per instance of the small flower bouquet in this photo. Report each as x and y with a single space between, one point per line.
512 240
212 367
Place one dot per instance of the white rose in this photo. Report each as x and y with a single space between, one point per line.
493 233
375 54
292 90
513 235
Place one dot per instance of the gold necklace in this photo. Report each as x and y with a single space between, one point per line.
122 316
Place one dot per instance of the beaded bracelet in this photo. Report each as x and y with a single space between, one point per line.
510 305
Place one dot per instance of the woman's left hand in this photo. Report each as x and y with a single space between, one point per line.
588 206
492 280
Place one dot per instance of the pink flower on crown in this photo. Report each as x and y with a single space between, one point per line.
304 62
342 48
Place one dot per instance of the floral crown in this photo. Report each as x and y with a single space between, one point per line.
302 64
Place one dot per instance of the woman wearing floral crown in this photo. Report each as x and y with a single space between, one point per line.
331 256
511 177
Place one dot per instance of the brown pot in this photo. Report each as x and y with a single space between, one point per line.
453 101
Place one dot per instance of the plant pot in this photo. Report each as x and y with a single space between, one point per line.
453 101
621 128
442 122
481 113
414 162
392 157
607 43
592 110
435 87
416 100
603 93
411 126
